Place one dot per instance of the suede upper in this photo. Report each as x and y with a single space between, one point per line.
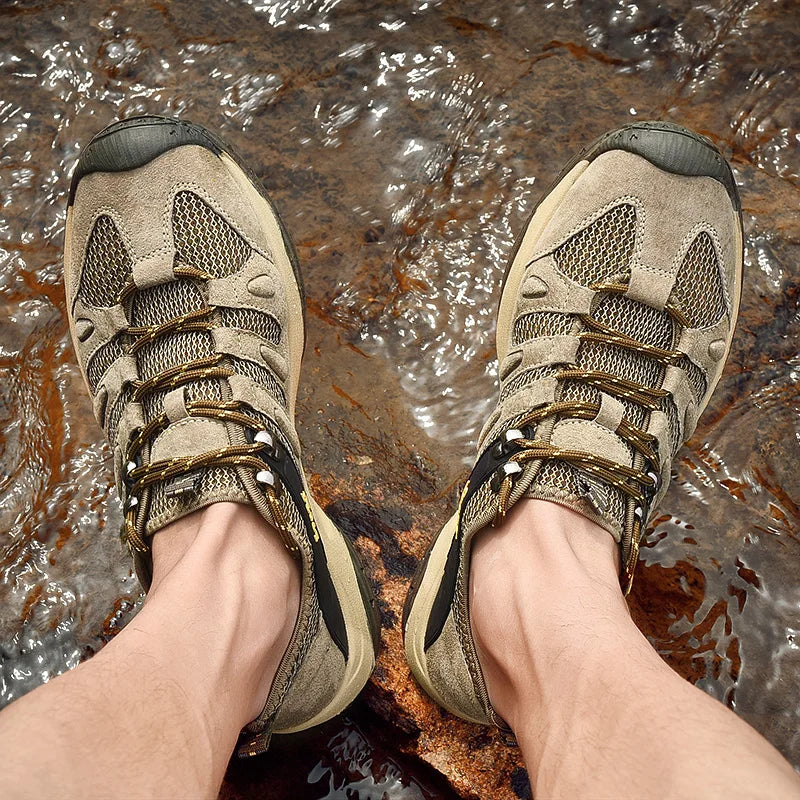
616 316
186 313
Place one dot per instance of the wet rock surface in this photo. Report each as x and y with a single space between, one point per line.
405 144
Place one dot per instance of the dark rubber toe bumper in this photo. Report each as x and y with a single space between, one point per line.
135 142
672 148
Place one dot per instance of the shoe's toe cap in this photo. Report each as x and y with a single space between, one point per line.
674 149
134 142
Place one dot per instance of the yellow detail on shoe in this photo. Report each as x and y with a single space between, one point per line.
461 500
310 515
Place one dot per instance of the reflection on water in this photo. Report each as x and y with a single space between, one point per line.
406 143
340 760
364 778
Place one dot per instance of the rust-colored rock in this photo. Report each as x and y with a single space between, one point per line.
405 145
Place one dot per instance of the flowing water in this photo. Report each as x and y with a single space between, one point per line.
405 144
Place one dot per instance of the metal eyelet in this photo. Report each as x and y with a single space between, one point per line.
500 449
268 444
655 479
509 468
265 438
131 503
638 512
267 477
128 469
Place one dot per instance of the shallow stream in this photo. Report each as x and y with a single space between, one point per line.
405 144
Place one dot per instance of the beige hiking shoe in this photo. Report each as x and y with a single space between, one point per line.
616 316
186 310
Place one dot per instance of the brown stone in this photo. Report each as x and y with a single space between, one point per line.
405 147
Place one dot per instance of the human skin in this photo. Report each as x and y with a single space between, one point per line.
596 711
158 711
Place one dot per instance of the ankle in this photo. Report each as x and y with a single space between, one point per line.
227 565
538 584
217 534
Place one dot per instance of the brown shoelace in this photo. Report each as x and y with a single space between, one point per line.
140 477
633 483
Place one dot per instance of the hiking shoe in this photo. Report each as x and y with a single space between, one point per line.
616 316
186 310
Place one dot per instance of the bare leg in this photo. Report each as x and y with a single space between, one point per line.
157 712
596 711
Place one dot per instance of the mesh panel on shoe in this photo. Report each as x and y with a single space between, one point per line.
213 481
564 478
526 378
260 375
675 434
619 361
202 390
637 320
248 319
204 239
173 351
218 480
107 267
541 323
481 503
602 250
698 289
575 391
293 516
166 301
153 405
115 414
102 359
